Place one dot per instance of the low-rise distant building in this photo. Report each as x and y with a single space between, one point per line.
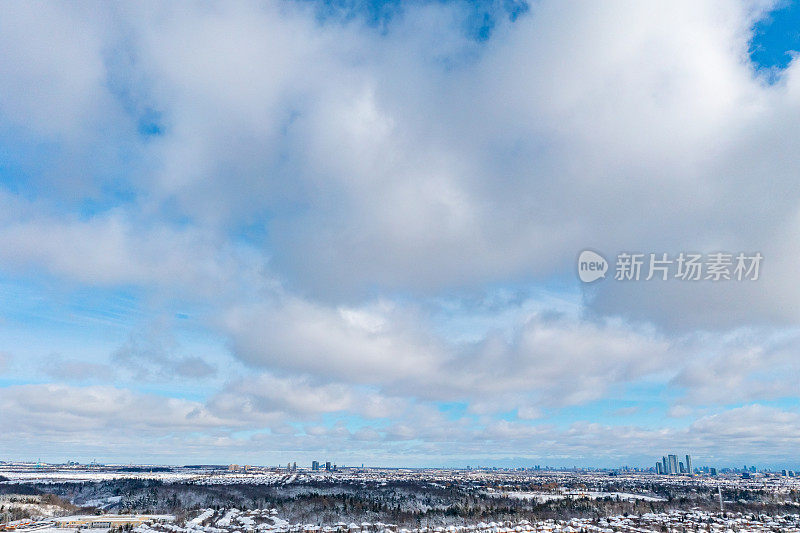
108 521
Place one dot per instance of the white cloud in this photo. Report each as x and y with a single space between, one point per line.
53 83
117 249
549 360
73 420
418 160
300 396
454 164
358 345
155 353
742 366
63 410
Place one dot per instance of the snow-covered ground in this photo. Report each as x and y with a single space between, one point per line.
546 497
266 521
49 528
32 504
79 476
102 503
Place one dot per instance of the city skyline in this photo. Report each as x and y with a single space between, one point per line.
331 467
705 467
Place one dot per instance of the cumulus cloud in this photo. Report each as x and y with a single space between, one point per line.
385 159
299 396
413 182
75 419
549 360
68 411
358 344
741 366
117 249
154 353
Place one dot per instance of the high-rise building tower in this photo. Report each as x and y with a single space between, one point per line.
689 469
664 467
673 464
314 465
659 468
327 466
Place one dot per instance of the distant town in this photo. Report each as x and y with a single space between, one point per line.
669 464
325 497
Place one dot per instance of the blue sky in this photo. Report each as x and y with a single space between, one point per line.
272 232
776 37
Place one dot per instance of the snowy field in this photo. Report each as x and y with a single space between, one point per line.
47 529
80 476
215 477
32 504
546 497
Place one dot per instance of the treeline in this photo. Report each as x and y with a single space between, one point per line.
406 504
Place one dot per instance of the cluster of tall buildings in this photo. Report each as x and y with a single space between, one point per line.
315 465
670 465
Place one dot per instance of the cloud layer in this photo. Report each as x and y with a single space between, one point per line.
343 231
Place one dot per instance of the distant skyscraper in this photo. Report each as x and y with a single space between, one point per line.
314 465
689 469
673 464
328 466
664 466
659 468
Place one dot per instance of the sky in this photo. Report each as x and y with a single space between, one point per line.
347 231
